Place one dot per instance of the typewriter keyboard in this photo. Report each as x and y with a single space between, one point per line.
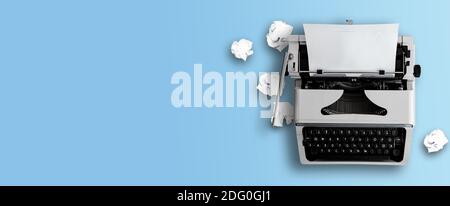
354 144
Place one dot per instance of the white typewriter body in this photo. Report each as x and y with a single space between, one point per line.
320 103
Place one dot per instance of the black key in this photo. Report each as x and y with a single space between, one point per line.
328 150
370 133
382 140
368 146
350 151
309 144
339 145
387 132
347 146
336 151
398 141
332 145
390 146
383 146
343 151
314 151
367 139
386 152
389 139
374 139
361 145
348 132
344 139
379 132
307 139
396 152
334 132
338 139
341 132
372 151
326 132
319 132
359 139
325 145
321 150
363 132
351 139
365 151
330 139
357 151
322 139
354 146
394 132
355 132
315 139
379 151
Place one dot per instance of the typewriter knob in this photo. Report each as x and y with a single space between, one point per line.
417 70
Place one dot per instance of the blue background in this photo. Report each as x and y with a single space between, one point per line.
85 93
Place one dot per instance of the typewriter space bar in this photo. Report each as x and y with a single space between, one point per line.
352 157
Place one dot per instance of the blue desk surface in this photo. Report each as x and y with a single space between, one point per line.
85 93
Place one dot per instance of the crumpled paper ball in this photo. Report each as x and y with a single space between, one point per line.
242 49
277 31
435 141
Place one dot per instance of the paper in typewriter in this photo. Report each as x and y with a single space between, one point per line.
351 48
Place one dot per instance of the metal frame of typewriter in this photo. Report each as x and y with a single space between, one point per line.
400 104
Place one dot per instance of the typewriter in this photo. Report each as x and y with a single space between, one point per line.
346 110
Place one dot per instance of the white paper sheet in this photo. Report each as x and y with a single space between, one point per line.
285 113
351 48
268 83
